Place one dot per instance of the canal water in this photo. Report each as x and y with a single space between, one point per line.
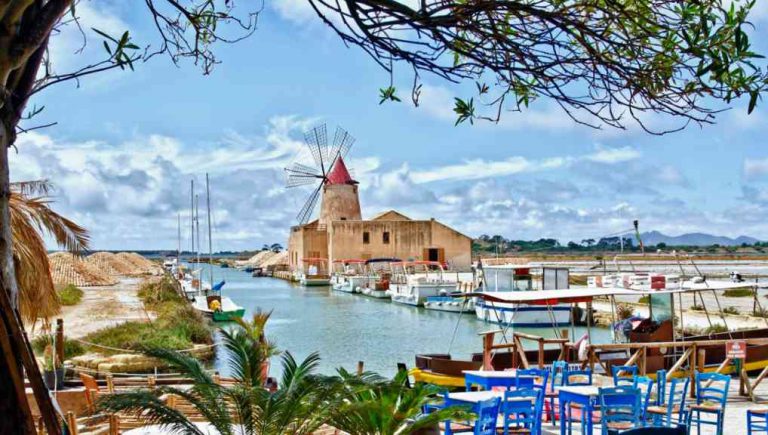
347 328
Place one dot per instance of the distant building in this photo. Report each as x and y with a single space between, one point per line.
341 233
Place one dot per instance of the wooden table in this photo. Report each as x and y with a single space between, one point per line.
488 379
582 395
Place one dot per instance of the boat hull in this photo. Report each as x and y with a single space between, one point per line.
416 295
376 294
524 315
315 282
449 304
228 316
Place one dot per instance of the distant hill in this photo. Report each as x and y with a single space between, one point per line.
694 239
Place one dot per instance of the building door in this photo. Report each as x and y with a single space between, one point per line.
435 254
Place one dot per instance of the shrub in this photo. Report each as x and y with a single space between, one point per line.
177 325
731 310
644 300
156 292
71 348
696 308
70 295
739 293
760 312
624 311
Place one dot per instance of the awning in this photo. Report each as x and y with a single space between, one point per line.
552 297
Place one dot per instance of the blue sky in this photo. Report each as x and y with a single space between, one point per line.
127 144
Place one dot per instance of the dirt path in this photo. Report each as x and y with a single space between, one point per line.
102 307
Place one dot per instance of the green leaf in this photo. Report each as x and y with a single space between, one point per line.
753 96
104 34
388 94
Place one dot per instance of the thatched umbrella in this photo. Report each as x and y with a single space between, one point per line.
31 217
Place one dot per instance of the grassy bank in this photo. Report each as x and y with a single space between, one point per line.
176 326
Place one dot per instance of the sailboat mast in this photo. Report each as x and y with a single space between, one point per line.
178 245
210 240
192 214
197 226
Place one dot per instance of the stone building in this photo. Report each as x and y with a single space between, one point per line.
341 233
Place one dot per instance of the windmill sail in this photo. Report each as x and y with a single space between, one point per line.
325 158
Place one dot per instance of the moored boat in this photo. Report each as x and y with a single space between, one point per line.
314 272
349 275
414 281
518 278
379 274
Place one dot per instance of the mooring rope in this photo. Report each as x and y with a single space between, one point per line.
131 351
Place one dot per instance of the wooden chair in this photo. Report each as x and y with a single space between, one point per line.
91 425
120 385
92 390
183 406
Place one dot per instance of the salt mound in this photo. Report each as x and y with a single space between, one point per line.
276 259
138 265
69 269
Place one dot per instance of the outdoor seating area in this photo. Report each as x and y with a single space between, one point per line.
562 398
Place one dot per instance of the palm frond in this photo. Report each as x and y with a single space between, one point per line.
188 366
149 408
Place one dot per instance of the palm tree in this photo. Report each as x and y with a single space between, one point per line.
372 405
31 218
299 406
365 404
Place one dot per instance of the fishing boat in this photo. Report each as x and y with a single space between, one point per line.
213 304
379 272
414 281
518 278
349 275
651 342
314 272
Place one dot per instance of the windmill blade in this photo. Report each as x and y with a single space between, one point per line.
317 142
342 142
309 206
301 175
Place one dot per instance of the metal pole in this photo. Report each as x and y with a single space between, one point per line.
192 214
210 240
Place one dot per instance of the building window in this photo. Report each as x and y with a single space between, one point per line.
366 237
343 218
385 238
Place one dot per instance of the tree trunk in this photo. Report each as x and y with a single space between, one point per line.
15 415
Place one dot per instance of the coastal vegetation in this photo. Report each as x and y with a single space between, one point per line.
70 295
731 310
176 325
304 401
72 348
739 293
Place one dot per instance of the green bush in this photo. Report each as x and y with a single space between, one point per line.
731 310
70 295
154 293
739 293
71 348
644 300
696 308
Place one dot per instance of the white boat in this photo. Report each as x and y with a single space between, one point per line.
450 304
506 278
212 303
414 281
349 276
314 272
379 274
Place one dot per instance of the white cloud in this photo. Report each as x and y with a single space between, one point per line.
479 168
296 11
754 168
613 155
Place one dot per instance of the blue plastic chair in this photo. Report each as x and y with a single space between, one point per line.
541 376
578 377
645 385
521 409
623 375
711 398
559 368
757 420
620 408
671 411
487 415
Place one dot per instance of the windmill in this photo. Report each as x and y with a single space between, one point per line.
325 165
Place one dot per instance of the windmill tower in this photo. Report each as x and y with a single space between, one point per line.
340 200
